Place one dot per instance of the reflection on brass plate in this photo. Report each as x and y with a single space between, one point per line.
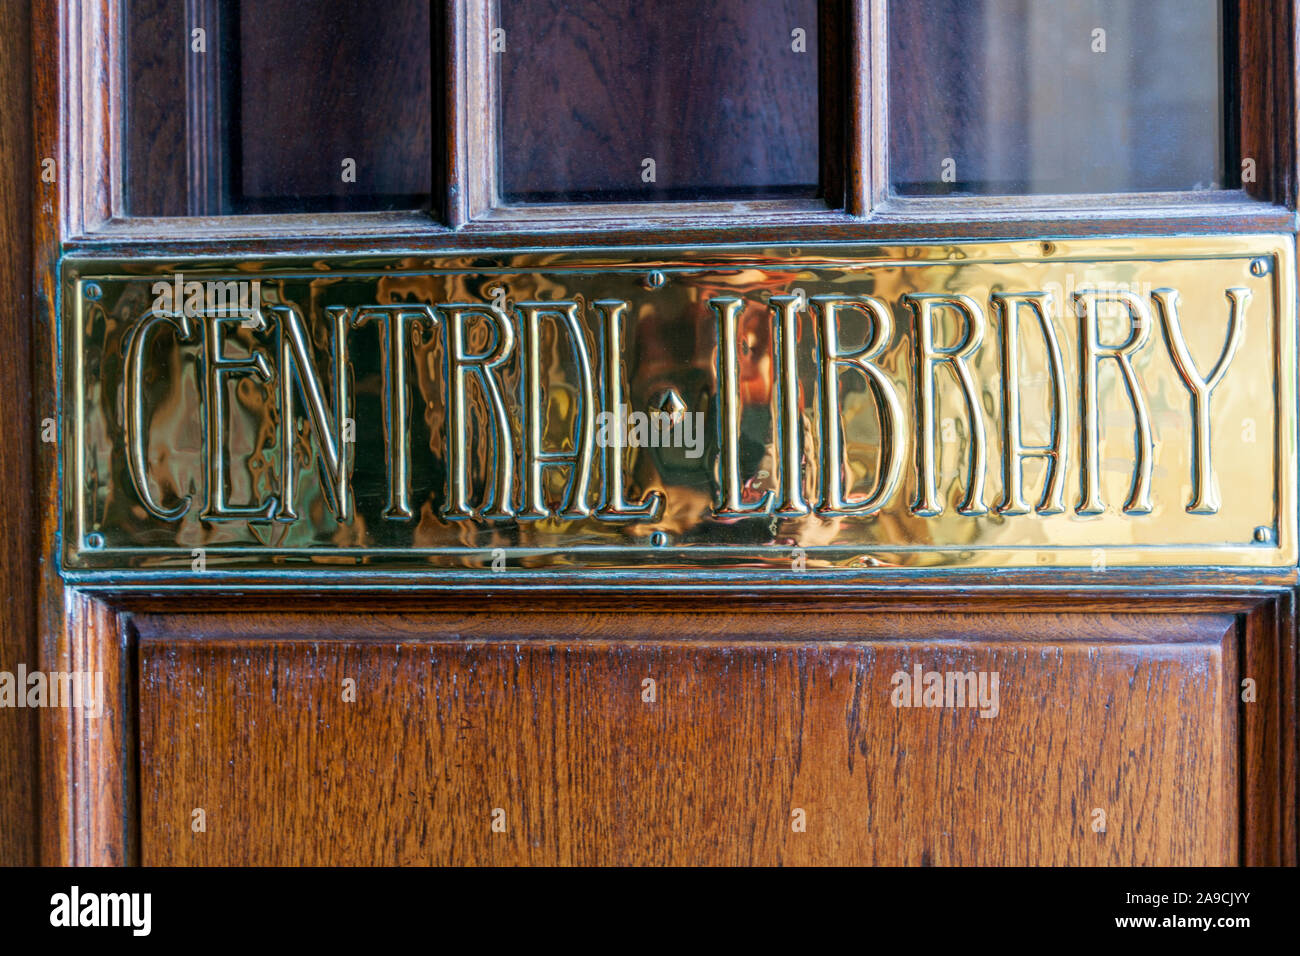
1077 404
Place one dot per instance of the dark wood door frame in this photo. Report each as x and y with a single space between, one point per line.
67 786
20 191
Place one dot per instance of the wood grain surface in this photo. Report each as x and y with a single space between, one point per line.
19 184
546 722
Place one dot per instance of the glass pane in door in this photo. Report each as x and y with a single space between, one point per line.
265 106
1042 96
673 100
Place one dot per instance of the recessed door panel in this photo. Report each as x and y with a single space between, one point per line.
690 739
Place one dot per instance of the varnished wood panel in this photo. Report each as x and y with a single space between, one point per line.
97 749
19 182
66 206
1264 88
544 718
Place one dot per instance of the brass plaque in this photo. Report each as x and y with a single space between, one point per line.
1090 403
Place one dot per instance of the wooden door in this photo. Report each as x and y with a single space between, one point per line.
914 601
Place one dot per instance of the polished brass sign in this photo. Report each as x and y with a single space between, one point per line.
1073 403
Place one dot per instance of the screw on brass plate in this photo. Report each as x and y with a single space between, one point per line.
670 403
654 280
1049 248
1263 534
659 539
1260 266
93 291
94 541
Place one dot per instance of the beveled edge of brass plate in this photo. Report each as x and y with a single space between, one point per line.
1279 556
